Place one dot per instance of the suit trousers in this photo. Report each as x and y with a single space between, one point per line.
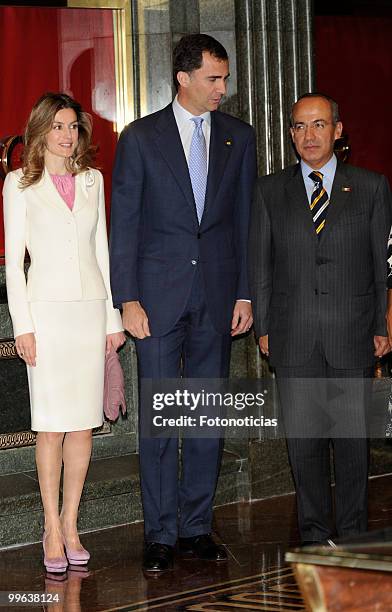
182 506
318 412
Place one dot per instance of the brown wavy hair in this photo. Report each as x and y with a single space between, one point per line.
39 125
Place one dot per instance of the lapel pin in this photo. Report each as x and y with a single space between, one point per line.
228 142
346 189
89 179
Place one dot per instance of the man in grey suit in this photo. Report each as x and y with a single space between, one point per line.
317 259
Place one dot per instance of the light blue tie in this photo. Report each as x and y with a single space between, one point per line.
197 163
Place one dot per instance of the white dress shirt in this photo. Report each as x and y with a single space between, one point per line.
186 127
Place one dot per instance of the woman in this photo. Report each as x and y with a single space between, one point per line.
63 317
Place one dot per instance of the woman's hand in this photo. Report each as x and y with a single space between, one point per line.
25 347
114 341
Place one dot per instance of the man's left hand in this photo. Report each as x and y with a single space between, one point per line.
242 318
381 345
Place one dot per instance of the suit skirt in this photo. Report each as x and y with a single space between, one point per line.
66 385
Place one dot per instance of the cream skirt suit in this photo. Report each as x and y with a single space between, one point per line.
66 301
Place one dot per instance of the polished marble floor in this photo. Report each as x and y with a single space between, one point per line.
256 577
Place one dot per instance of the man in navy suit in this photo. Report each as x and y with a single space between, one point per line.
182 187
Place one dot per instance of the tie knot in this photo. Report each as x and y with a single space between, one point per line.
317 177
198 122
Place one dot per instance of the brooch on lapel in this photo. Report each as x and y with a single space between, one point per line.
348 189
90 180
228 142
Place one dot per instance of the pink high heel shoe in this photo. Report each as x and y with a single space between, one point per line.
54 565
77 557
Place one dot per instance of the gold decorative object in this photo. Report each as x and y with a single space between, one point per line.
342 148
7 146
17 439
7 349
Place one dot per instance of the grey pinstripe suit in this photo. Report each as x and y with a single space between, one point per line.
321 302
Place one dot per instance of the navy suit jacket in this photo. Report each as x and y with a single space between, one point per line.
156 241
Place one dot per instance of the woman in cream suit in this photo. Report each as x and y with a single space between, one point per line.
63 317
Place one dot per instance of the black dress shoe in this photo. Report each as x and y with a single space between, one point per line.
203 547
157 557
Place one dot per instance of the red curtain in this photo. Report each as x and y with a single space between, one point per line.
354 65
46 49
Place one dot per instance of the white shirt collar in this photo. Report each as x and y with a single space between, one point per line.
183 116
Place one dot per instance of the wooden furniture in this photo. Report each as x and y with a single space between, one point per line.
356 576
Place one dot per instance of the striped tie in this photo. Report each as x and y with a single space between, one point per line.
197 164
318 202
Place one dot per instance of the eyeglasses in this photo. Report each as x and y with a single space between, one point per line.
317 126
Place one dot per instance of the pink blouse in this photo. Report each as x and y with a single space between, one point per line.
65 185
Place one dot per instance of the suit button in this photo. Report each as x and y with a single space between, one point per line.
193 262
198 235
316 292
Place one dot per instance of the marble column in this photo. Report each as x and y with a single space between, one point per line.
275 66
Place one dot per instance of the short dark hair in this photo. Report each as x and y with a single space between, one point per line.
188 53
315 94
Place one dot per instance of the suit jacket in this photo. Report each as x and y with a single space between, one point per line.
68 249
304 288
156 241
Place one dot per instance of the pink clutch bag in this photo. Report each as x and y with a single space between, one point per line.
113 391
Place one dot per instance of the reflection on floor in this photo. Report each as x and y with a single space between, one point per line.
255 578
